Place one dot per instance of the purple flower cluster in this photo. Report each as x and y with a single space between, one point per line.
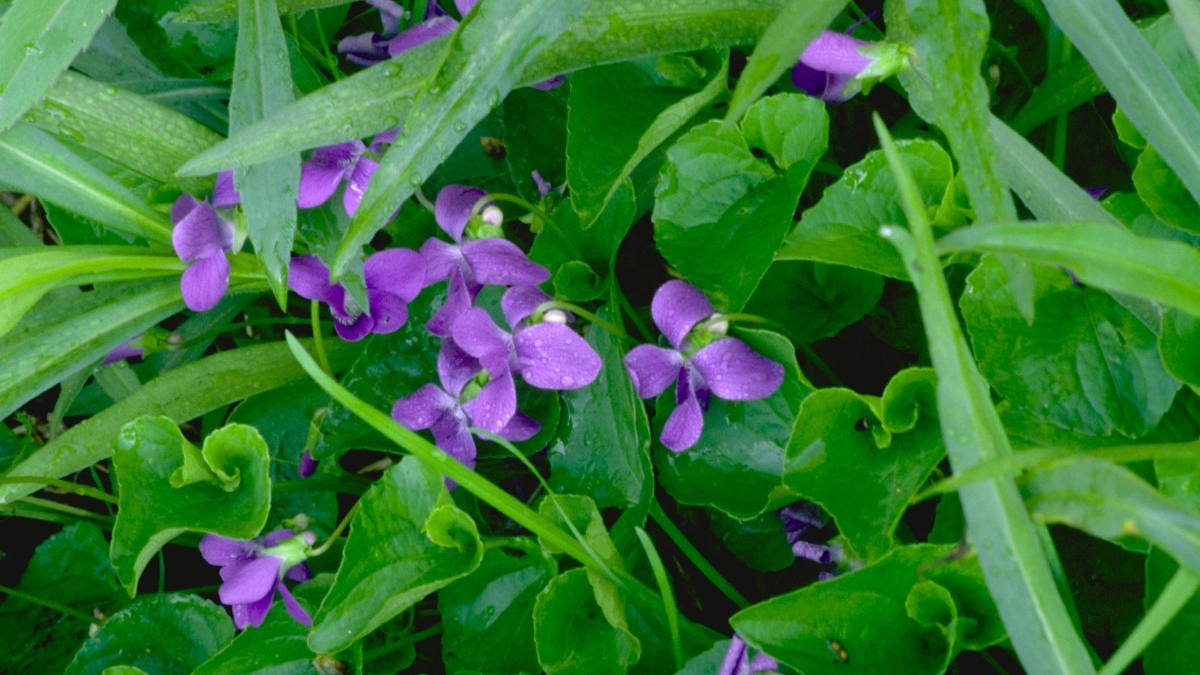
701 362
478 359
252 570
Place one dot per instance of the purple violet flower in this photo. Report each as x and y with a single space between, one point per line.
393 278
471 263
308 465
201 237
801 519
834 66
252 570
460 403
547 354
738 662
701 363
327 167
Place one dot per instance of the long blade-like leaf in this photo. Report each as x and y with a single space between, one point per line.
487 55
1014 565
1106 256
1137 78
38 39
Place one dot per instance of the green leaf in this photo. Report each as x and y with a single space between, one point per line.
1086 363
488 615
1179 346
864 475
65 335
406 541
161 634
1145 88
1175 645
1101 255
1065 88
720 213
779 48
182 394
603 447
581 261
184 50
127 128
1111 502
842 228
811 300
70 568
618 115
38 40
864 623
1014 564
167 487
742 440
227 10
1042 187
1164 192
262 86
484 60
535 136
33 162
377 99
572 633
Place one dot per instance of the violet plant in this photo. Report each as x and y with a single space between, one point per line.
519 336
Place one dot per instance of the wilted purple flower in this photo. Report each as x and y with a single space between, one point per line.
801 519
201 237
450 410
738 662
834 66
252 570
327 167
700 364
393 278
472 263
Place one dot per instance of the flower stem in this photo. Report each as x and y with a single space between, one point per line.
337 532
642 328
318 340
391 647
592 318
693 554
49 604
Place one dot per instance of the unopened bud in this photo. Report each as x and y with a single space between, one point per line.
555 316
492 215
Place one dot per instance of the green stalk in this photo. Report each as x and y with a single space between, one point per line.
1172 599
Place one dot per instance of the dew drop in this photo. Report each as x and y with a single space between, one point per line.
460 126
32 50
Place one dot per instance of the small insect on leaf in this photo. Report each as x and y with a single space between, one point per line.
494 147
839 651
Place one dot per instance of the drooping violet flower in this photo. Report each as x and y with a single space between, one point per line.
393 278
451 409
834 67
801 519
252 570
308 465
738 662
547 354
701 363
201 237
471 262
327 167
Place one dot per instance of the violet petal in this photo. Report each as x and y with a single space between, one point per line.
422 408
308 465
455 367
479 336
355 329
836 53
735 656
309 278
247 582
520 428
519 302
384 138
501 262
388 311
735 372
181 208
652 369
464 7
399 271
442 259
276 536
494 405
677 307
221 551
421 33
252 613
298 572
201 233
684 426
324 170
204 283
552 356
459 299
453 208
455 439
356 186
550 83
293 607
224 193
